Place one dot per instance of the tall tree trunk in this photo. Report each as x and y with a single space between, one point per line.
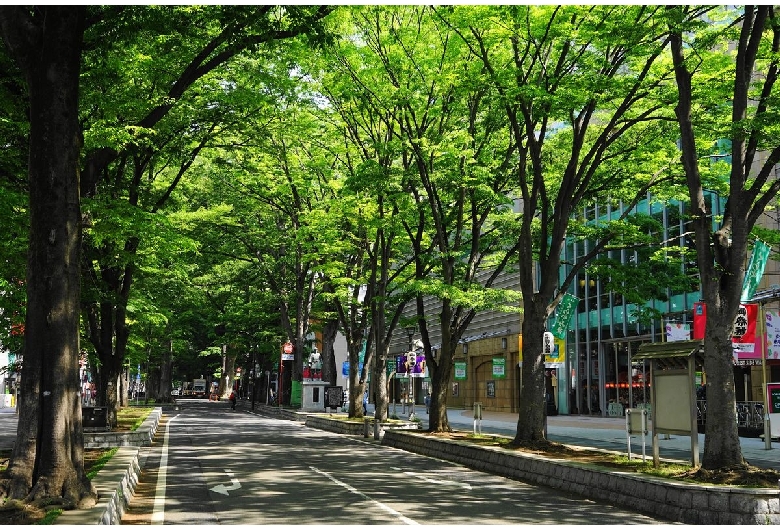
48 457
530 423
166 365
329 368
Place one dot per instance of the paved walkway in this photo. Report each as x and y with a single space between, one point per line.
602 433
585 431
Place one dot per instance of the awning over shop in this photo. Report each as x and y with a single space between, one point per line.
673 354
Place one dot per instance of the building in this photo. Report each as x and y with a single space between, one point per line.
592 367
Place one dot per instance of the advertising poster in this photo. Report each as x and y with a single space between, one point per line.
558 357
499 367
676 331
460 371
744 338
773 335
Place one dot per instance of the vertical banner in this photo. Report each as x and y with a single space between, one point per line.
460 371
499 368
755 269
699 320
744 338
557 358
563 314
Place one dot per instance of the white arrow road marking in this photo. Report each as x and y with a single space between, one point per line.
464 485
222 489
349 488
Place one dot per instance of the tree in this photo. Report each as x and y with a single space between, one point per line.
581 95
137 132
451 157
47 460
365 275
721 98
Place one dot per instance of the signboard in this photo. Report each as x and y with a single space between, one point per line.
288 352
499 368
334 397
460 371
558 356
743 340
418 370
345 368
773 397
676 331
772 334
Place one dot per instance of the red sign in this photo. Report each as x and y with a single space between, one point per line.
288 347
744 336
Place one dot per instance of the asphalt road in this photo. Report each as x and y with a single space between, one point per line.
224 467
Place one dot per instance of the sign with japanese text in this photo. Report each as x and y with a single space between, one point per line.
743 339
563 313
460 371
499 368
773 397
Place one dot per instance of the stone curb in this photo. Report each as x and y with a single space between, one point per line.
115 483
674 501
141 437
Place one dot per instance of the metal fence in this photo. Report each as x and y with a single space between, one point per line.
750 414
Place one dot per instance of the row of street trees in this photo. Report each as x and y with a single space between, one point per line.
255 169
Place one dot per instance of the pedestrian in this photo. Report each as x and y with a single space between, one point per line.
365 401
428 403
232 399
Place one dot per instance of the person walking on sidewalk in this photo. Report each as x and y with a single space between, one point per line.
232 399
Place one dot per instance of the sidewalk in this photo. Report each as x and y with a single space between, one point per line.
600 433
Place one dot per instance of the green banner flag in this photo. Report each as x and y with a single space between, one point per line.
755 269
563 314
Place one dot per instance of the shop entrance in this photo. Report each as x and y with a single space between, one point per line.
626 382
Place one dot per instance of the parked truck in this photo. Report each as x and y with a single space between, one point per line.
199 387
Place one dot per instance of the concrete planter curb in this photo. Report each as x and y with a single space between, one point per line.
672 500
115 485
116 481
141 437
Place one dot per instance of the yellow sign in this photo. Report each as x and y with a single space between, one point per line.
558 356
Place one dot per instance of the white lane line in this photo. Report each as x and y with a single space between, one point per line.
158 512
442 482
349 488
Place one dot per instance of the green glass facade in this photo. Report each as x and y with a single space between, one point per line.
605 332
